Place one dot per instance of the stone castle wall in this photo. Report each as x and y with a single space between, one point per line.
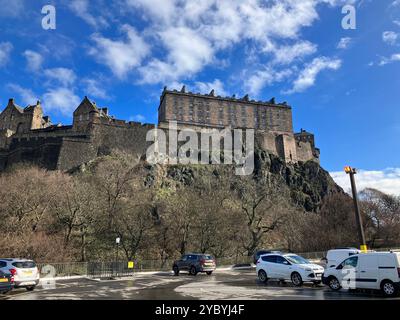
27 136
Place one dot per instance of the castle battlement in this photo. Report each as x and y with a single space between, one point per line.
211 95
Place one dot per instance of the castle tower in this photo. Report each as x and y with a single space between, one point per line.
86 113
34 116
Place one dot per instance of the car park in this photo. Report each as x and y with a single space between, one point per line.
24 272
288 267
336 256
195 263
372 270
6 282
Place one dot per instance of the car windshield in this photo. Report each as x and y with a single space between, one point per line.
297 260
207 257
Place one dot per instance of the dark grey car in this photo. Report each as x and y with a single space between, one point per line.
195 263
6 282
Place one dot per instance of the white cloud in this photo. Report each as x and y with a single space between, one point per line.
344 43
390 37
393 58
120 56
62 100
287 54
138 118
188 51
5 51
63 76
81 9
309 74
11 9
263 77
192 33
27 96
387 180
34 60
396 22
94 88
206 87
395 3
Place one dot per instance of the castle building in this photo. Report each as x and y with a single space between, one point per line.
26 135
271 121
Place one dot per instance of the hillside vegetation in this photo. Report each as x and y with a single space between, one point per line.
160 212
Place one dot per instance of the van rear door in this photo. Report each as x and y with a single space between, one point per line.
367 273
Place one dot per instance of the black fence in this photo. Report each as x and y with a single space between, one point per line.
109 269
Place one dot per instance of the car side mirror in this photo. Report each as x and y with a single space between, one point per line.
339 267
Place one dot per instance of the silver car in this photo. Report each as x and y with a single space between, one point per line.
25 272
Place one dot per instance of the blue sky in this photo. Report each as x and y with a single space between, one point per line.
343 85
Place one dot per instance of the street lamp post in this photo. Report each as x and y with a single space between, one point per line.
117 241
352 171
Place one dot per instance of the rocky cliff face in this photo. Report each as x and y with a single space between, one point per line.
308 183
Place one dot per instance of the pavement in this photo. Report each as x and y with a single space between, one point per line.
222 285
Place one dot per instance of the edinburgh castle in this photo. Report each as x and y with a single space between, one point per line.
26 135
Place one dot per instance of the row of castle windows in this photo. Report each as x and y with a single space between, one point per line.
199 111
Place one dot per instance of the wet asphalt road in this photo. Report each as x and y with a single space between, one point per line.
224 285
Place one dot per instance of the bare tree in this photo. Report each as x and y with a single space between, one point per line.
262 209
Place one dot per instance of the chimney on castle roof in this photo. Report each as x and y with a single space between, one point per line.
11 101
183 90
246 97
272 101
105 111
212 93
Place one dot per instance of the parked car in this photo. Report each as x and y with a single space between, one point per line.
336 256
373 270
288 267
25 272
195 263
261 252
6 282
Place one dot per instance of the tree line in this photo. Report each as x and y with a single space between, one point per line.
52 216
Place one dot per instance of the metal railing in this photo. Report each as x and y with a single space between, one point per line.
109 269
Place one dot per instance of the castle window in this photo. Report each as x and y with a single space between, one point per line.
80 117
191 111
244 116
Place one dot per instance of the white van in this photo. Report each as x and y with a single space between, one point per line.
374 270
336 256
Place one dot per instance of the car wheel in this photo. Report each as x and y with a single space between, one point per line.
209 273
193 271
296 279
388 288
334 284
176 270
30 288
262 275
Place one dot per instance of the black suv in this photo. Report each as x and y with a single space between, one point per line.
195 263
